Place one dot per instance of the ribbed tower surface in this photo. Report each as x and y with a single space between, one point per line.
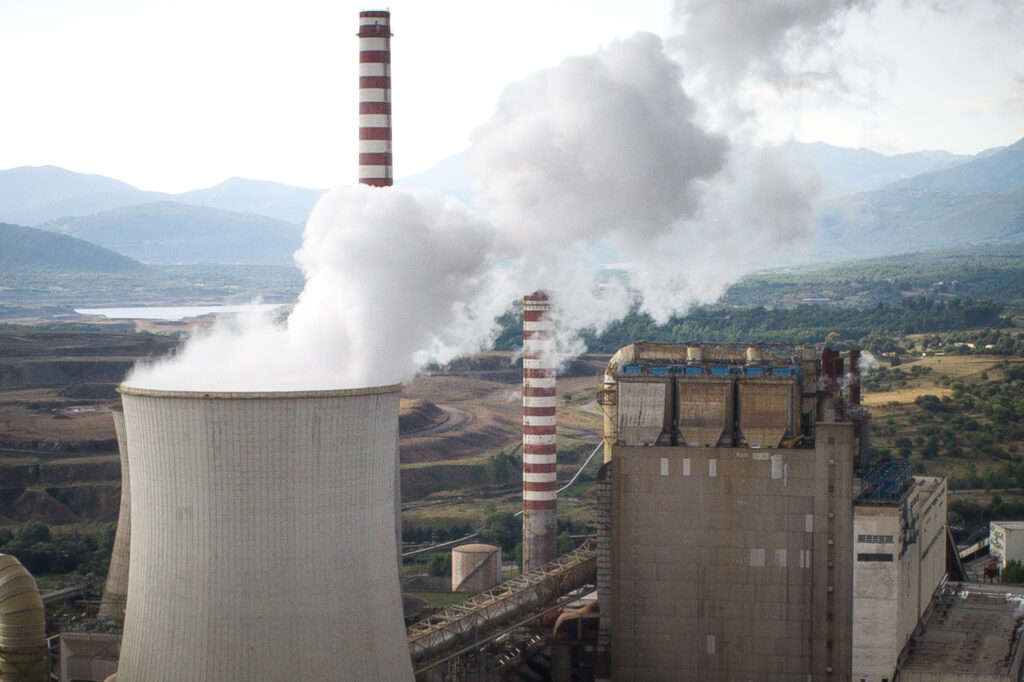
263 537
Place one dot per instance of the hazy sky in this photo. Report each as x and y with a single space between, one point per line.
179 95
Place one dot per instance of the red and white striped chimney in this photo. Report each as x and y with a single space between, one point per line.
540 479
375 98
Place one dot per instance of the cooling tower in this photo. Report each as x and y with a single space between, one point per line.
263 534
115 592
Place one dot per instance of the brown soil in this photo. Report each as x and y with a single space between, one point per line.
60 463
417 414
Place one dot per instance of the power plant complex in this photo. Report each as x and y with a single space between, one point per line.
743 532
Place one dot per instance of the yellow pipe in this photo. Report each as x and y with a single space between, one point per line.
23 651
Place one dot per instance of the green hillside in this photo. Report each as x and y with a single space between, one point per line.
52 272
975 203
29 250
168 233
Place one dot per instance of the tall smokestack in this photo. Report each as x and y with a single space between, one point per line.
540 479
375 98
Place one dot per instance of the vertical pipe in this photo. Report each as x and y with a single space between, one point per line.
540 478
375 164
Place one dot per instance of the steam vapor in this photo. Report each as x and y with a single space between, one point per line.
602 148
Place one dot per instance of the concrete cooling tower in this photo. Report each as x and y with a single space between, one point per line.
263 537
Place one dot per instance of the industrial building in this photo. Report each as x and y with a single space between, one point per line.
738 478
899 562
1006 541
743 532
971 633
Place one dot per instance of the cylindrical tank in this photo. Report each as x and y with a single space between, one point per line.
475 567
23 650
115 592
263 536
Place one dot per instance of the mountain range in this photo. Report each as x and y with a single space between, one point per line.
870 204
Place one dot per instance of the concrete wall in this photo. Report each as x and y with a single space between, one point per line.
877 592
899 561
733 563
1006 541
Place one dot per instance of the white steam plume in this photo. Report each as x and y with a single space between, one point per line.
726 45
602 148
867 363
393 279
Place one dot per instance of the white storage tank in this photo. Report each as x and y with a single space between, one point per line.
475 567
263 536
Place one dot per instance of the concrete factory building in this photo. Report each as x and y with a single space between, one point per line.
263 536
1006 541
734 477
900 536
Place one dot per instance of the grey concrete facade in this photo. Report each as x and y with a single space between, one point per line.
263 534
732 563
899 562
731 517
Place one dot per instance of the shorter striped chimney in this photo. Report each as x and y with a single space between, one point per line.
540 479
375 98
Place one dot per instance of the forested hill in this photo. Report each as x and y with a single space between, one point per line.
27 249
805 323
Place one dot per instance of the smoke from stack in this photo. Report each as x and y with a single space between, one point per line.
600 149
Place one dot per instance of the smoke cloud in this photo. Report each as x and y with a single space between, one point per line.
601 149
725 44
867 363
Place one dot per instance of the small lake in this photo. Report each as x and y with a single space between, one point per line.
174 313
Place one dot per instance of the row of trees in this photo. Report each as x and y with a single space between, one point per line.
43 552
873 328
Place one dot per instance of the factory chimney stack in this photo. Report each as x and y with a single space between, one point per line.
540 482
375 98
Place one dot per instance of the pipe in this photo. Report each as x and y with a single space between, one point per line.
609 396
23 650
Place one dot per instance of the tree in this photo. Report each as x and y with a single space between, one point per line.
500 470
502 528
1013 572
32 533
439 564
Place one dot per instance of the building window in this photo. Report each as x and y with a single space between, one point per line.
874 538
874 557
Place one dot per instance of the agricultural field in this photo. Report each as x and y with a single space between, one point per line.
960 416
